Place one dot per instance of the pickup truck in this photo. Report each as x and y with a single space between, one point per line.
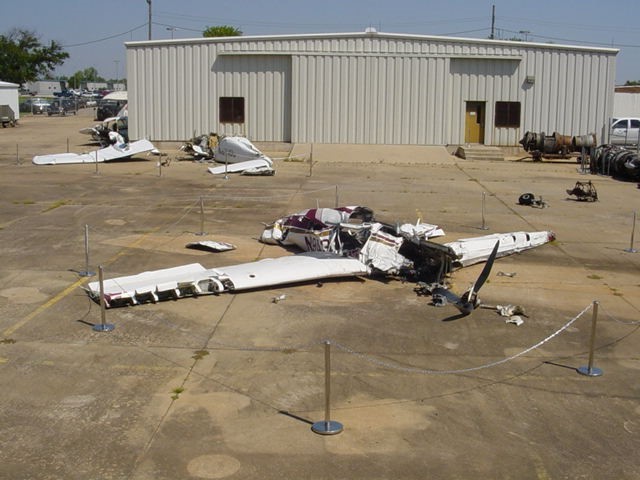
624 131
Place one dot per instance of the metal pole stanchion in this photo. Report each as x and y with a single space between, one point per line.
86 272
226 166
633 230
103 326
484 226
327 426
96 162
311 161
337 197
67 144
202 232
589 369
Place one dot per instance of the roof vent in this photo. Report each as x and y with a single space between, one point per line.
370 30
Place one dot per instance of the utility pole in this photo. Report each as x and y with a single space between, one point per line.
149 3
493 21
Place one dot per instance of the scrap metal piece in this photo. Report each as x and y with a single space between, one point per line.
584 192
211 245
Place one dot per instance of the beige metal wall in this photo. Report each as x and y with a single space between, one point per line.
365 88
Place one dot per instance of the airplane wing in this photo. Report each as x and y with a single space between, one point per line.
259 164
194 279
106 154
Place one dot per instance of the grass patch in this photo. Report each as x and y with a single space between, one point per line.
199 354
594 277
55 205
24 202
176 392
7 340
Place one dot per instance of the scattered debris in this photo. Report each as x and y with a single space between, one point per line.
515 319
514 313
531 200
201 147
510 310
584 192
506 274
278 298
211 245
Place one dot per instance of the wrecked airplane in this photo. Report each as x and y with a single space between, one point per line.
237 154
336 242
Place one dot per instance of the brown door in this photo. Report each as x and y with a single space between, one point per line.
474 122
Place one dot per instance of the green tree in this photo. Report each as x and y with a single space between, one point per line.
221 31
89 74
631 83
24 59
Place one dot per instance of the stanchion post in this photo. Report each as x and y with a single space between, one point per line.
337 197
327 426
202 232
103 326
96 162
86 272
311 161
67 144
484 226
633 231
589 369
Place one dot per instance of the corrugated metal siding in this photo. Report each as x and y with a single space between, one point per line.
365 89
265 83
368 99
626 105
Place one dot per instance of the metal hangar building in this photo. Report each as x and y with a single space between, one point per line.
366 88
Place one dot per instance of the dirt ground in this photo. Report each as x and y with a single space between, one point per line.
228 386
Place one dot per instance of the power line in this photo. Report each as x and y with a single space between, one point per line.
105 38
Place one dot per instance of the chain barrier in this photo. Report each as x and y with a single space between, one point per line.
618 320
381 363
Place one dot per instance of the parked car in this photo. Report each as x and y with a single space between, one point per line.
624 131
110 105
34 105
62 107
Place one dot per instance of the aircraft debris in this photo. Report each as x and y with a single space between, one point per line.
201 147
112 152
211 246
237 154
531 200
278 298
584 192
336 242
100 133
556 145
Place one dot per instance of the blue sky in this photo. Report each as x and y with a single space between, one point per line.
94 31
